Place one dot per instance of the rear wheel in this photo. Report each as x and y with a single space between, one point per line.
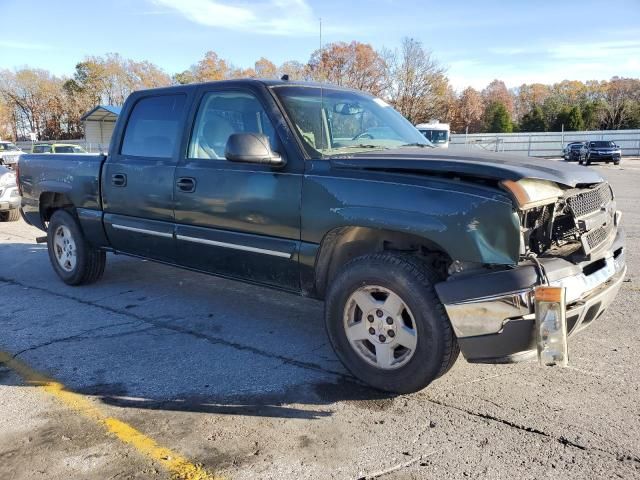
10 216
387 325
74 260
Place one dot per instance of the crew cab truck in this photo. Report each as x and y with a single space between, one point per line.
418 253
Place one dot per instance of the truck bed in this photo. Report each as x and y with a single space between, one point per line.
74 176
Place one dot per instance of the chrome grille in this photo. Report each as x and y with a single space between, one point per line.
598 235
590 201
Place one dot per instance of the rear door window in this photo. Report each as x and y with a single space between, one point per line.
154 127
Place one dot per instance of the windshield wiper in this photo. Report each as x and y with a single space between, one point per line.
363 145
416 144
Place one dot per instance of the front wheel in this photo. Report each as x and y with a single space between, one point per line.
387 325
74 260
10 216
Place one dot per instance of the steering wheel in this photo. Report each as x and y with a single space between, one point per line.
363 135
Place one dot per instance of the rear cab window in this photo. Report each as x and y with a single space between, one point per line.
154 127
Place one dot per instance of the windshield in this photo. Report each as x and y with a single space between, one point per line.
8 146
336 122
602 144
435 136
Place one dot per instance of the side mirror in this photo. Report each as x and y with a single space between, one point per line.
251 148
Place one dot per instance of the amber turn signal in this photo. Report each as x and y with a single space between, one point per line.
548 294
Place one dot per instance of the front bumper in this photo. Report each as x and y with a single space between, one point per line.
9 199
10 162
493 314
615 156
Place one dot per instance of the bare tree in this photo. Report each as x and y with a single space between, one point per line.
498 92
356 65
470 111
620 98
295 70
417 79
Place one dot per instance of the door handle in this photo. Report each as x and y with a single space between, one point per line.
119 180
186 184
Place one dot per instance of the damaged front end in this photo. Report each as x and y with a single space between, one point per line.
571 242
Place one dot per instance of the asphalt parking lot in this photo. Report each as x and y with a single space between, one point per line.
156 372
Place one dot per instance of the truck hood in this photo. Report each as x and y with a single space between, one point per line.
496 166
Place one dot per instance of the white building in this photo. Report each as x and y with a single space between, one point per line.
98 127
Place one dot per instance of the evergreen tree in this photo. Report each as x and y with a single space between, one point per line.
575 121
498 119
534 121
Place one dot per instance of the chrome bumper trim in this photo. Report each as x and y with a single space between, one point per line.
486 316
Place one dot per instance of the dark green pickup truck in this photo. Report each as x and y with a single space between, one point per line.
418 253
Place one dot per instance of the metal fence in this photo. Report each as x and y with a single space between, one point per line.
543 144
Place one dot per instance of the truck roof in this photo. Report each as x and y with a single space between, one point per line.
252 81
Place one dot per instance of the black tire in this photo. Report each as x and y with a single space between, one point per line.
10 216
617 163
436 348
90 262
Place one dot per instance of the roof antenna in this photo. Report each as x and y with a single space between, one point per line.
322 114
285 77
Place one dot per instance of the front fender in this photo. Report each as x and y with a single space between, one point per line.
469 224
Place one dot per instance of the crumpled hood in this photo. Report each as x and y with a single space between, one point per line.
497 166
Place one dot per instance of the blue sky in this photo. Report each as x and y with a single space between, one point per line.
518 41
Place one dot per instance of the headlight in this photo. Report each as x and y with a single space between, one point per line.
8 180
529 192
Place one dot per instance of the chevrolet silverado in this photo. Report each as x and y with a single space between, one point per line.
418 253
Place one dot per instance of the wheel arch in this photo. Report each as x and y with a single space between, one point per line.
345 243
50 201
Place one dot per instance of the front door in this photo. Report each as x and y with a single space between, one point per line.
138 178
234 219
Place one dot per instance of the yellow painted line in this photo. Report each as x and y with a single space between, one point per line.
179 467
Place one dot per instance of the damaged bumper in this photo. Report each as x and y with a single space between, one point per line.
493 314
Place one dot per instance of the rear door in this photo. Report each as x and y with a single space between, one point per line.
138 177
237 219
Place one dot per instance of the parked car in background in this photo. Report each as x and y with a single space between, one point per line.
603 150
9 154
575 152
57 148
9 196
418 253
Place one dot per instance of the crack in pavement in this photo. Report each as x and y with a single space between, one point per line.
187 331
562 440
80 335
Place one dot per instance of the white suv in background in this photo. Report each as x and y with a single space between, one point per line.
9 154
9 196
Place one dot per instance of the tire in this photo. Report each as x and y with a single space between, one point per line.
83 264
617 163
10 216
409 369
